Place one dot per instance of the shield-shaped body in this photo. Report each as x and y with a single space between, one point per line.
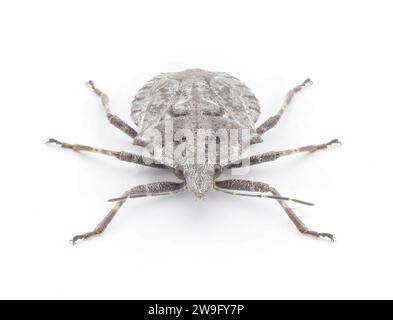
195 100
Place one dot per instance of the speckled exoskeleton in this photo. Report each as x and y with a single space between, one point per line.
193 100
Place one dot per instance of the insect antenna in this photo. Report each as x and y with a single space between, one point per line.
145 195
265 196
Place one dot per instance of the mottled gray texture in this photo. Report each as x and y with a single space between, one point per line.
196 99
192 100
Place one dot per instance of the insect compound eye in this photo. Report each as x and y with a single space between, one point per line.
179 172
217 170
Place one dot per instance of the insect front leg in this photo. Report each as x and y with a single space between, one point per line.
259 187
151 189
113 119
272 121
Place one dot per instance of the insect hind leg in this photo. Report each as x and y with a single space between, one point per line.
259 187
151 189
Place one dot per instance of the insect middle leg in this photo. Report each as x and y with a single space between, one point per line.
260 187
121 155
272 121
274 155
151 189
113 119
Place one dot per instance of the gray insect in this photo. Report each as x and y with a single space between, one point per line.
195 100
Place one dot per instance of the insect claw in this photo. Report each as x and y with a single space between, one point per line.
75 239
307 82
335 141
328 235
85 236
320 235
90 84
51 140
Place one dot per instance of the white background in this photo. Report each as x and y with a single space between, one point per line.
176 247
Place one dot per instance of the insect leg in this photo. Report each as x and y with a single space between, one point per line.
121 155
151 189
272 121
113 119
260 187
274 155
